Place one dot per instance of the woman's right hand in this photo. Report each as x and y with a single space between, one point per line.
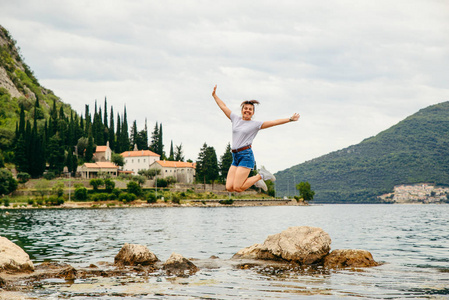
215 89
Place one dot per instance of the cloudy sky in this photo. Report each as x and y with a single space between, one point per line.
351 69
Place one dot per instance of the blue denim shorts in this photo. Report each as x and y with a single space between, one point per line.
244 158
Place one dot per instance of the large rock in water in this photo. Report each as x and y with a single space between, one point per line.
133 255
303 244
180 266
13 258
349 258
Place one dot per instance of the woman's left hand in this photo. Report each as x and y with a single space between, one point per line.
295 117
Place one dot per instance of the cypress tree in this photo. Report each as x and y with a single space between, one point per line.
134 138
37 158
28 147
97 128
172 154
105 119
155 139
56 155
62 127
87 121
125 134
22 120
118 134
53 122
111 134
160 145
90 148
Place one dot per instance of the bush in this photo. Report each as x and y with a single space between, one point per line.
100 197
7 182
161 182
6 201
134 188
112 196
54 200
227 202
81 193
58 189
127 197
23 177
50 175
175 198
109 185
96 182
151 198
30 201
116 192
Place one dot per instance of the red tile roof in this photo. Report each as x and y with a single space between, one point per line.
101 149
139 153
101 165
175 164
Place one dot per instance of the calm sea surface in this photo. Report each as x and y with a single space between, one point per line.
411 240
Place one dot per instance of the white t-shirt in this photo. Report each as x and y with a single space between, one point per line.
243 132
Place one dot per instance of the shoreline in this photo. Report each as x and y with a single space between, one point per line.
143 204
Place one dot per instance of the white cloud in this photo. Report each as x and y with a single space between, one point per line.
350 68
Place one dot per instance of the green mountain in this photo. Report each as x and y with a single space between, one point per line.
416 150
19 86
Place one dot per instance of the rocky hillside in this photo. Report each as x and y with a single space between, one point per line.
19 86
416 150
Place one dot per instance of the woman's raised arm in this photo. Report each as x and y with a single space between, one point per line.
268 124
221 104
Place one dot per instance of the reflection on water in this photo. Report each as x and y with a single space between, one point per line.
410 239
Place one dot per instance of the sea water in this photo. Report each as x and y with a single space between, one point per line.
411 242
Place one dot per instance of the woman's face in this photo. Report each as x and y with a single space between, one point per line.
247 111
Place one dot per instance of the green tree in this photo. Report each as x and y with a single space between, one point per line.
133 137
179 155
111 133
58 189
305 190
118 159
154 144
149 173
225 162
109 185
7 182
90 149
56 155
23 177
81 193
172 154
134 188
207 165
96 182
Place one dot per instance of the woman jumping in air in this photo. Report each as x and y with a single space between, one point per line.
244 130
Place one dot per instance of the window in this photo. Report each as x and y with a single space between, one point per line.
132 160
138 160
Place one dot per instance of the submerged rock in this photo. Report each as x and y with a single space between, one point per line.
133 255
13 259
178 265
349 258
302 244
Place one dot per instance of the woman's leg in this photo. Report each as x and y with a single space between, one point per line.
241 180
230 179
